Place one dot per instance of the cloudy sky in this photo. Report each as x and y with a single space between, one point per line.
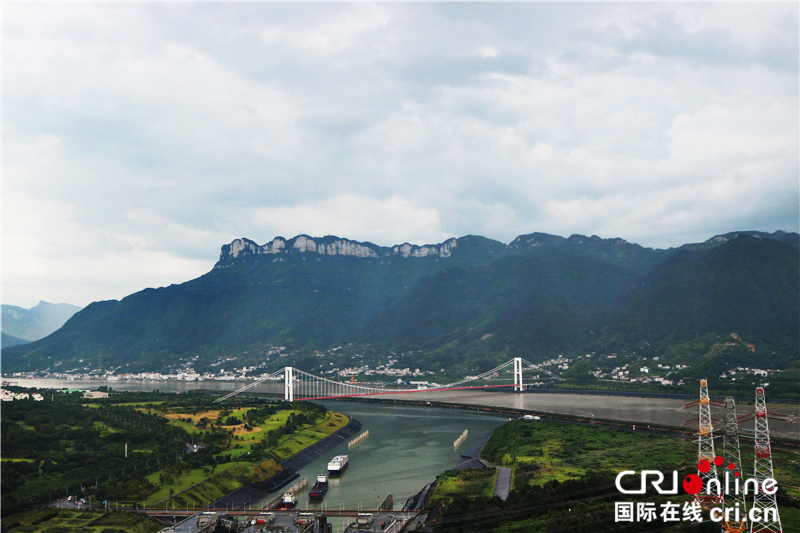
139 138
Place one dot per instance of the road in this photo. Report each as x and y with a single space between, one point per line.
636 410
503 485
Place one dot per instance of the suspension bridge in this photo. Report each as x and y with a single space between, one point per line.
515 374
739 512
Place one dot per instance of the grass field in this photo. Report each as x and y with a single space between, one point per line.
244 438
558 451
66 520
300 440
455 483
200 486
96 405
225 479
582 458
102 427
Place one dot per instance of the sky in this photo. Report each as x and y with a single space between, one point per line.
138 138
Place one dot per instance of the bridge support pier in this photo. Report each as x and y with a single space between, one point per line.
288 384
518 374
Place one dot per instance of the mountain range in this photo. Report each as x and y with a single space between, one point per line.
21 326
464 299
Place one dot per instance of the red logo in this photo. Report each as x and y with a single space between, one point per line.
692 484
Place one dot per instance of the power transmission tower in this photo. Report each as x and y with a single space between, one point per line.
765 505
732 453
705 450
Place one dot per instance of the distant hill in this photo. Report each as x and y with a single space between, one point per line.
792 239
464 299
614 251
533 303
9 340
748 285
37 322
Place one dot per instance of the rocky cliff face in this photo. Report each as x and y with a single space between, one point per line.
462 300
329 246
615 250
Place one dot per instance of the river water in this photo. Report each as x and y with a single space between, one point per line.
407 446
138 384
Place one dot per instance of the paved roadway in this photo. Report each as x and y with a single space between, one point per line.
636 410
503 485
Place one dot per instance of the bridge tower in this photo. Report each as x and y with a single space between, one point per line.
733 456
766 504
518 374
288 384
705 448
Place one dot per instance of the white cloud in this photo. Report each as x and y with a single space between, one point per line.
382 221
137 133
50 251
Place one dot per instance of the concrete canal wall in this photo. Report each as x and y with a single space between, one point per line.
253 492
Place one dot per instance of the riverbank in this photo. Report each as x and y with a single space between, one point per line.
664 416
252 493
658 410
470 461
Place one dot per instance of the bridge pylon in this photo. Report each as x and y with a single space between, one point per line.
288 384
518 374
302 385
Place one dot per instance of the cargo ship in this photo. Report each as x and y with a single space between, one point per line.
319 489
288 501
338 464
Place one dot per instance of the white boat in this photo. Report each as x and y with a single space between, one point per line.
338 464
289 500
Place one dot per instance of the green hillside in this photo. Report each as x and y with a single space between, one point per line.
747 286
534 304
470 299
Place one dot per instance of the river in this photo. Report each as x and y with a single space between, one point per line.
407 446
629 409
135 384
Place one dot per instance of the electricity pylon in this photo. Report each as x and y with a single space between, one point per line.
733 455
765 505
705 449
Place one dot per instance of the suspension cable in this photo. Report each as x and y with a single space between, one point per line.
249 386
332 388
